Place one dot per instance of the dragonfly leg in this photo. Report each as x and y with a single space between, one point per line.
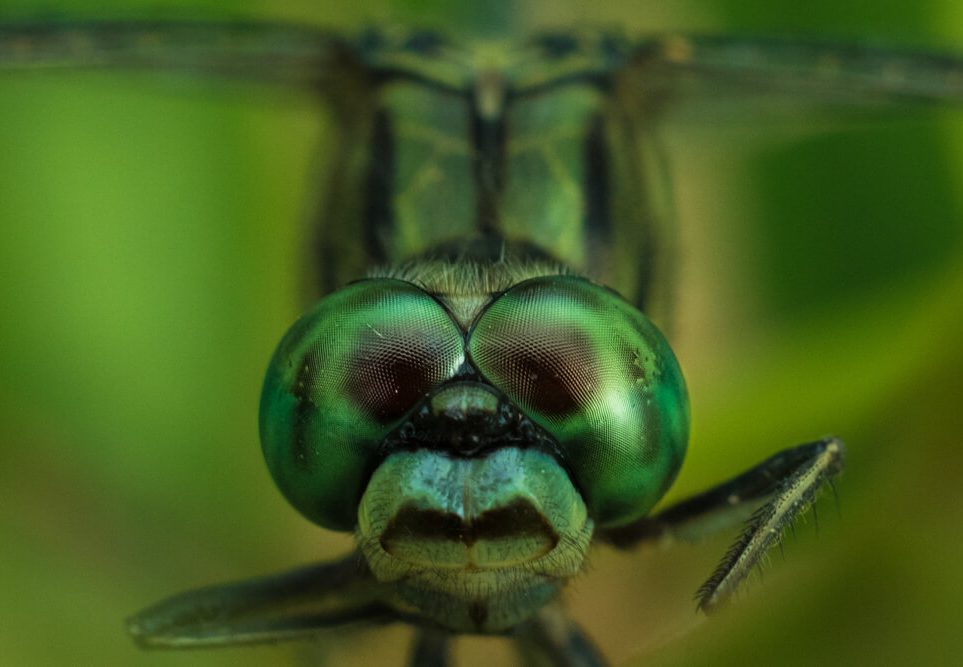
767 497
291 605
432 648
552 639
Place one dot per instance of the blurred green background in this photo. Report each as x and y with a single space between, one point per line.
149 261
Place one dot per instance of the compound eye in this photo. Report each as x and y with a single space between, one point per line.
599 377
344 376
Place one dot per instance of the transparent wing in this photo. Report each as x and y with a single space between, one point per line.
287 54
706 72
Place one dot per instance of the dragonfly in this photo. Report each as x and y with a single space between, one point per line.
479 393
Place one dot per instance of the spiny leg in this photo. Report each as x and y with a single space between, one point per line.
290 605
552 639
765 528
788 483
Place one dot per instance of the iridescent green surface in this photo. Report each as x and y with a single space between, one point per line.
579 360
828 284
600 378
341 379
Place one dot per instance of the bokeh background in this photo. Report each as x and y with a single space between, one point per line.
150 249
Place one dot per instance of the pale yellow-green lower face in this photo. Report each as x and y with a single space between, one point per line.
477 544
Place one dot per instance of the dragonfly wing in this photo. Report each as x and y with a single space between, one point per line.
708 71
290 605
275 53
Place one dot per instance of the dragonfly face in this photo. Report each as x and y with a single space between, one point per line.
470 456
475 412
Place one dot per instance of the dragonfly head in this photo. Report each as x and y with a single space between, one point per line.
559 407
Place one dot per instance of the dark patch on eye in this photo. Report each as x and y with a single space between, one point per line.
392 373
552 371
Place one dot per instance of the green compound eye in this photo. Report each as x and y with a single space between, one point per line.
342 378
599 377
